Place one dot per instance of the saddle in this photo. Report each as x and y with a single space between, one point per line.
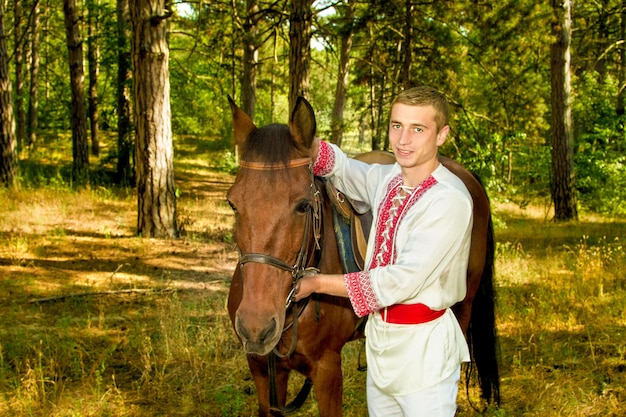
352 221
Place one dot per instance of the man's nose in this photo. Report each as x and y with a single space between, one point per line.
404 137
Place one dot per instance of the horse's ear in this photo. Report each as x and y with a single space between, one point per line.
242 124
302 123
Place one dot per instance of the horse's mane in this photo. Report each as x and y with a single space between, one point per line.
272 144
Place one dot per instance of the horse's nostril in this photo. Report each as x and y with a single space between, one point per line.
269 331
241 330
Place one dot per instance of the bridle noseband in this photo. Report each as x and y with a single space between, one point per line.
306 254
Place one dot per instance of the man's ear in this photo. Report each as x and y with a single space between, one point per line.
442 135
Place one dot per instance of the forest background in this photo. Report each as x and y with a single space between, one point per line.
493 60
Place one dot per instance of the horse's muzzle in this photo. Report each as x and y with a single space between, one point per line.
261 338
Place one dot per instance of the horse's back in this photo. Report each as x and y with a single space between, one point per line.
376 157
476 313
480 231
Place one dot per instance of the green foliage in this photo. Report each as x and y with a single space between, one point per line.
600 143
601 182
500 92
490 58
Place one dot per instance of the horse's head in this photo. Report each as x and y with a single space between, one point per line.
273 198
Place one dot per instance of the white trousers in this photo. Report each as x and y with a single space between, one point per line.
436 401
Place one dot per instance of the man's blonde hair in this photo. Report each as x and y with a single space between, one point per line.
426 96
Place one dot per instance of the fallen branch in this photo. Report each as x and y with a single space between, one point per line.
98 293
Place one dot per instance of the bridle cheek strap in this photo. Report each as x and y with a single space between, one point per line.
313 225
299 269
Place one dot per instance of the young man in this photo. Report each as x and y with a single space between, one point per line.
416 261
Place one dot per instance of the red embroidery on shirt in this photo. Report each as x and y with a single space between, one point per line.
407 204
359 284
325 160
361 293
384 210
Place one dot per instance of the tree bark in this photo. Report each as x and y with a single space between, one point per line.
621 98
299 49
156 192
125 143
80 148
33 100
18 36
92 58
563 189
8 142
250 58
408 53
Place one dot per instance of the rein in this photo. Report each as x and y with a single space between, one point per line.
298 270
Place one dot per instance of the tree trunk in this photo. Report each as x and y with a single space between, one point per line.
408 53
125 144
381 126
621 97
80 148
18 36
33 103
563 190
8 142
250 58
156 192
92 58
299 50
336 135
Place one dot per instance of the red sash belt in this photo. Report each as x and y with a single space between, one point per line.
410 314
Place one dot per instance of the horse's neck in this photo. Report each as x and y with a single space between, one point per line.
330 261
343 240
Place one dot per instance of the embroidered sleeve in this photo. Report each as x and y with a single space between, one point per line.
361 294
325 160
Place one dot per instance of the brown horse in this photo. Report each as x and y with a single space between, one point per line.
283 229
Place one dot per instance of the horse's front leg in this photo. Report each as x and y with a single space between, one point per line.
328 383
260 374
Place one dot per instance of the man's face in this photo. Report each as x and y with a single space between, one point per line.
413 134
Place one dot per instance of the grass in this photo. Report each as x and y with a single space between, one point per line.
171 351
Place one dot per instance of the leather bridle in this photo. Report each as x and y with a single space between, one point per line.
306 253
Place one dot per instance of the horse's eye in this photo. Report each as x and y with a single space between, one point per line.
303 207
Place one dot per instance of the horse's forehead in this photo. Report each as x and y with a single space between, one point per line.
271 188
267 214
272 144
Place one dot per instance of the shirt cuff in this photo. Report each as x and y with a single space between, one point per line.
361 293
325 160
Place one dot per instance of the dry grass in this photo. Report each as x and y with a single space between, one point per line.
172 352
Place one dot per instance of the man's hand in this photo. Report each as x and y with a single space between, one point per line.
306 287
321 283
